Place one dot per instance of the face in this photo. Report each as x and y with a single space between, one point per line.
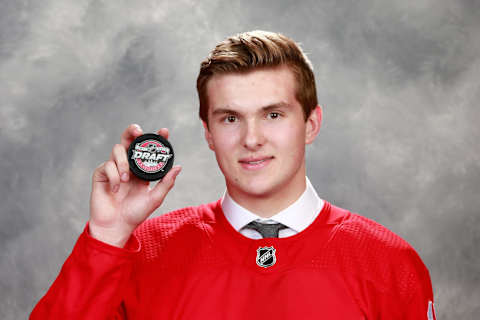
258 132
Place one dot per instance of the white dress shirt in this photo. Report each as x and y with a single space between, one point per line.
298 216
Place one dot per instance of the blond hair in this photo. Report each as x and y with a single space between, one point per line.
258 49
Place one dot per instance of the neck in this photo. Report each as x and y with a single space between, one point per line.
268 204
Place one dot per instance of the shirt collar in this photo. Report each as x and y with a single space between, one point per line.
297 216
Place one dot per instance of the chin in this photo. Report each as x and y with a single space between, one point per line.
256 189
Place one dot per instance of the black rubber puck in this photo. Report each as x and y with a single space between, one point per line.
150 156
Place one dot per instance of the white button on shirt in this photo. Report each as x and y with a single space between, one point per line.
298 216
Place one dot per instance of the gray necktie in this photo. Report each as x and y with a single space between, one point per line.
267 230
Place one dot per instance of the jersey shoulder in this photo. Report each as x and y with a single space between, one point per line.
367 234
374 253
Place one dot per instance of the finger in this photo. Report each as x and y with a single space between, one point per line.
112 175
163 132
99 174
159 192
133 131
119 156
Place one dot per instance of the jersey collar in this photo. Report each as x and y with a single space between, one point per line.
297 216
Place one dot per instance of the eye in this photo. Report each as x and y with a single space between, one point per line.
230 118
273 115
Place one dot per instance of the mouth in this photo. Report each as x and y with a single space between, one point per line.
255 163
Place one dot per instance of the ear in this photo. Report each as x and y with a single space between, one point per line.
313 124
208 136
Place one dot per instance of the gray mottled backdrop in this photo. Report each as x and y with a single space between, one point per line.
399 82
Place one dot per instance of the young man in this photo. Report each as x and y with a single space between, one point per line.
270 247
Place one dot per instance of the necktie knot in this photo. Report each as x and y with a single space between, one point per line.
267 230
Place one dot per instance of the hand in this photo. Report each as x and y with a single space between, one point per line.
120 201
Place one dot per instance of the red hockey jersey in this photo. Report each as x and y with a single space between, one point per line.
192 264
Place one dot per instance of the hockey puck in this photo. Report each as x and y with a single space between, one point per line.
150 156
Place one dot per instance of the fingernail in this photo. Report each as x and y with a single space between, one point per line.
124 176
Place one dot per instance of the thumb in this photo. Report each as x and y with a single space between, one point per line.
158 193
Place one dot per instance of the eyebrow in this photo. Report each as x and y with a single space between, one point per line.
227 110
280 105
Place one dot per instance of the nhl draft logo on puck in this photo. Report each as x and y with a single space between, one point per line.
266 256
150 157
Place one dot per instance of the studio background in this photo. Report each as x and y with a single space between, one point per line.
398 81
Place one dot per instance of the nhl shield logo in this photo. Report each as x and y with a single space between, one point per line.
266 256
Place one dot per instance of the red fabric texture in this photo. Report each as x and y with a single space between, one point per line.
192 264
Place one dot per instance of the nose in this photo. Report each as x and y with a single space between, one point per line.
254 137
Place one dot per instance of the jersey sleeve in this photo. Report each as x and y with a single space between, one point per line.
91 282
421 303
